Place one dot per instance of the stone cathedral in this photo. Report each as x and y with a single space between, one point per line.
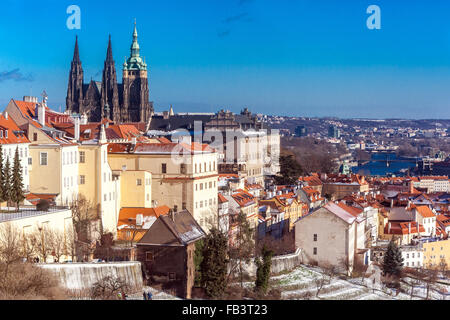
121 102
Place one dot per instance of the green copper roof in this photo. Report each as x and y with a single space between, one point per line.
135 61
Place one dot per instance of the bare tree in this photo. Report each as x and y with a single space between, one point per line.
328 272
70 243
108 287
28 245
9 245
430 277
56 241
443 267
416 276
360 269
43 236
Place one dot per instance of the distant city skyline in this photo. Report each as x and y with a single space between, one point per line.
287 58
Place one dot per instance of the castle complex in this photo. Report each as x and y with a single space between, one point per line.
121 102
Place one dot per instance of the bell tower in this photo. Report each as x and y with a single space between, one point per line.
136 104
74 98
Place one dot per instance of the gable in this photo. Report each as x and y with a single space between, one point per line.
159 234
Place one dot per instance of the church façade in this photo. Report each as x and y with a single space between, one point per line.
120 102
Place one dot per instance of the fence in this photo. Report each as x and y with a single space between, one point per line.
27 212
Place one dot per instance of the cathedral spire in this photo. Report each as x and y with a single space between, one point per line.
76 54
135 61
135 44
109 56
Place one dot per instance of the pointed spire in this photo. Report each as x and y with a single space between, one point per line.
109 56
135 44
76 54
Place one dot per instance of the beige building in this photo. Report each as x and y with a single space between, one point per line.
331 235
28 221
435 253
180 182
60 166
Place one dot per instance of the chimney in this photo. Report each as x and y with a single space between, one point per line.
133 140
389 227
392 203
84 119
77 128
172 215
102 134
41 113
409 204
409 227
139 219
6 115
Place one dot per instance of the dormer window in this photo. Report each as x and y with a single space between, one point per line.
6 133
1 133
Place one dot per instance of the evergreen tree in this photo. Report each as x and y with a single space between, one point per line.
290 170
17 194
214 264
198 258
243 247
7 182
2 176
393 261
263 270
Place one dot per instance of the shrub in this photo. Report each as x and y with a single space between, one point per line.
43 205
24 281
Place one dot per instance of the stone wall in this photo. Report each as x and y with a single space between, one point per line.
82 276
281 263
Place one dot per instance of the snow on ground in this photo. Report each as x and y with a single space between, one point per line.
157 295
300 284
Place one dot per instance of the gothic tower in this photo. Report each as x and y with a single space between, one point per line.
74 99
109 91
136 105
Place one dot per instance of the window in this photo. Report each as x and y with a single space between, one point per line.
82 157
201 186
183 206
82 179
139 182
195 168
183 168
175 208
210 184
104 197
30 161
315 251
44 156
149 256
164 168
35 136
6 133
315 237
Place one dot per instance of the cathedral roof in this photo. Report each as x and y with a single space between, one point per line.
135 61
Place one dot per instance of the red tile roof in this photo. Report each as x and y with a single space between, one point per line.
403 228
425 212
222 199
130 213
243 198
14 134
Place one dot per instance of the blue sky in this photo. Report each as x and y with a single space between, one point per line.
287 57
